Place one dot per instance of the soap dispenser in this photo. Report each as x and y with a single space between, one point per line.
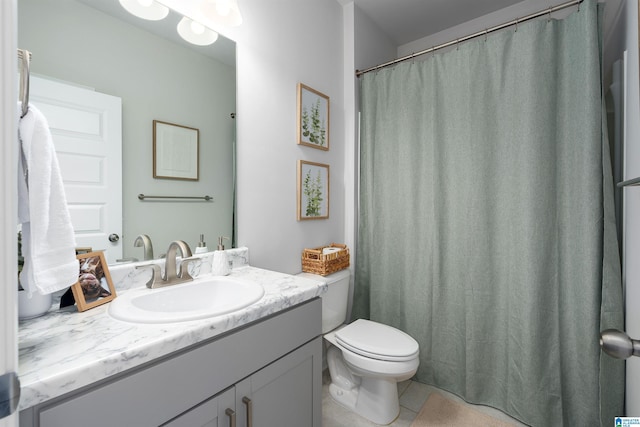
202 246
220 265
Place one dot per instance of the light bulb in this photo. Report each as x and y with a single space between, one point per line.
223 7
145 9
197 27
222 12
195 32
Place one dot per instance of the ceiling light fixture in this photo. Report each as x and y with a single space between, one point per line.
196 33
145 9
223 12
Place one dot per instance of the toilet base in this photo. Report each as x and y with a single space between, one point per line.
373 398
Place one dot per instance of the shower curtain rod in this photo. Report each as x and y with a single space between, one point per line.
515 22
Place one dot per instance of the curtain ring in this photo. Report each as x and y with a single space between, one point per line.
549 20
516 25
485 34
457 44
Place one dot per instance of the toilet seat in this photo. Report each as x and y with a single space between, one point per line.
377 341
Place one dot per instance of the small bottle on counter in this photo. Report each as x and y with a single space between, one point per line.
220 265
202 246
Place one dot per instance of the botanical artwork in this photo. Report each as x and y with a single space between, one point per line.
313 118
313 190
94 286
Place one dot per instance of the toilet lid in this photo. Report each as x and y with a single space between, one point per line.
377 341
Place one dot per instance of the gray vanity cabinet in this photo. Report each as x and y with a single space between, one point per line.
282 394
279 395
218 411
268 373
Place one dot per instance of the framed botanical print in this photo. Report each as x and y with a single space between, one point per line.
313 190
313 118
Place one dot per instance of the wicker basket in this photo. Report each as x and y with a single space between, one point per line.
314 261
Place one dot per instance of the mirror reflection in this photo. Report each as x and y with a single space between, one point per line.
97 45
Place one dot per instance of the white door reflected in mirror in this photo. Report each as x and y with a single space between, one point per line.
87 132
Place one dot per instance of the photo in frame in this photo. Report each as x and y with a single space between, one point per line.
176 151
313 190
313 118
94 286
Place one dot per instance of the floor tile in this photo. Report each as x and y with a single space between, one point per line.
412 396
415 395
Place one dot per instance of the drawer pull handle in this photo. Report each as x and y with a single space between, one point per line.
249 404
232 417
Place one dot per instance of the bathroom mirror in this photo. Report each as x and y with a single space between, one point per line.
98 45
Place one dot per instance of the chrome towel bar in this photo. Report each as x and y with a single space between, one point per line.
205 198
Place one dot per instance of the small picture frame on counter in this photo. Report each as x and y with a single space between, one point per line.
94 286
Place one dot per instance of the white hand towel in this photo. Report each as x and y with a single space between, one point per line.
48 241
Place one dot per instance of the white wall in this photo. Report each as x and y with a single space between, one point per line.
620 35
373 46
281 43
8 192
631 201
157 80
501 16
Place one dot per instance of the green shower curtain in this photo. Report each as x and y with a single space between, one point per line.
485 224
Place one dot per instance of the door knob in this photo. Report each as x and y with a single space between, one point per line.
618 344
114 237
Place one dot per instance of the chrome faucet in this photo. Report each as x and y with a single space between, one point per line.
172 276
144 241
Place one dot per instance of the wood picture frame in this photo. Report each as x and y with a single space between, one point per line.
313 118
94 286
176 151
313 190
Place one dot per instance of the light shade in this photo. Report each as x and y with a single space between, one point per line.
196 33
222 12
145 9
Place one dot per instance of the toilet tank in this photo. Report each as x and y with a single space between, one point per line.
334 301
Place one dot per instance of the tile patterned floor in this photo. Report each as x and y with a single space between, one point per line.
412 397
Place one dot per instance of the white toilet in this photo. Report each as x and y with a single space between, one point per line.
366 359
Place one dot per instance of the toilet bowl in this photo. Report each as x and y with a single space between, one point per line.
366 359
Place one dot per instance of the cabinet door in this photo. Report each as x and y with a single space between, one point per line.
287 392
218 411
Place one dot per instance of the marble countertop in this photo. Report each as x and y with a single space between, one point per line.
65 349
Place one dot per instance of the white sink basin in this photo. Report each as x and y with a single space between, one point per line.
199 299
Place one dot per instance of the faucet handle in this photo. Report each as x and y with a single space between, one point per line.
156 274
184 267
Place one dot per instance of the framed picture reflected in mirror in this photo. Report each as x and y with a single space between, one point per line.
176 151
